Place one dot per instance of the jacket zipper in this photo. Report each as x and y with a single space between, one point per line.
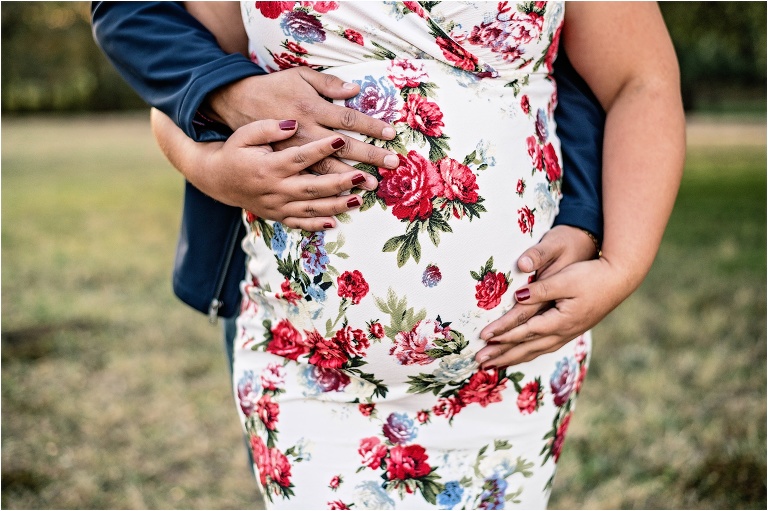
217 303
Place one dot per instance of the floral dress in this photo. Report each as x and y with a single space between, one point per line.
354 362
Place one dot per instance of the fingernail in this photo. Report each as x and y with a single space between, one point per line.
391 161
358 179
487 336
491 341
353 202
328 225
338 143
388 132
532 277
522 294
526 263
347 85
287 125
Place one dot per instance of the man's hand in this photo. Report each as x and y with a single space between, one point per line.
571 294
299 94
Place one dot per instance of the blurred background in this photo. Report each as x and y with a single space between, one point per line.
115 395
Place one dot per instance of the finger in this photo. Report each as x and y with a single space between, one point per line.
312 224
552 321
505 356
540 255
339 117
327 207
516 316
358 151
328 85
558 286
293 160
264 132
304 187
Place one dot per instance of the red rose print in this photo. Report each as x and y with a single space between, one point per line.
352 340
549 58
372 451
376 330
489 291
520 187
580 379
334 484
273 10
366 408
526 220
411 347
288 293
352 285
260 457
322 7
422 416
268 411
286 341
447 407
354 36
534 151
557 445
422 115
288 60
326 352
250 217
460 183
580 349
525 104
410 187
330 380
280 468
457 55
552 163
295 48
415 7
273 377
483 387
529 398
337 504
407 462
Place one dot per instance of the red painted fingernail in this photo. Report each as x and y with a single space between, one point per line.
358 179
353 202
287 125
522 294
338 143
492 342
328 225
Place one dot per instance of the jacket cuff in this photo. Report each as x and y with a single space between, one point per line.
213 75
582 215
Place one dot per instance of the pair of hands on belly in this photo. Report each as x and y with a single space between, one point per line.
264 168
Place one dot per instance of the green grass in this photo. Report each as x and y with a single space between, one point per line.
115 395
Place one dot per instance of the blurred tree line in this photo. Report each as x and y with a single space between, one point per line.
50 62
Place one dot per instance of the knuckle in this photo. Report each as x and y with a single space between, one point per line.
299 158
521 318
324 166
305 106
372 154
310 210
348 119
312 192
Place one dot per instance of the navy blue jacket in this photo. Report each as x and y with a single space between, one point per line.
173 62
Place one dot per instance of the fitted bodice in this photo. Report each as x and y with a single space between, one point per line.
488 39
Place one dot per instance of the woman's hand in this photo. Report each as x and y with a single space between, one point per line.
581 294
268 183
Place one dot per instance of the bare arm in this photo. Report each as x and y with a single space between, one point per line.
624 53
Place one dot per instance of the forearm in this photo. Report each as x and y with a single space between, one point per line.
642 167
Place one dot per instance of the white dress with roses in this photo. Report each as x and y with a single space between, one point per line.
354 361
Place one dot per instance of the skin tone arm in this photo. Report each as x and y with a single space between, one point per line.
624 53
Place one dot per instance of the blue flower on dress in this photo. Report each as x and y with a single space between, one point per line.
279 240
377 99
493 493
451 495
303 27
431 276
316 293
314 258
370 495
399 429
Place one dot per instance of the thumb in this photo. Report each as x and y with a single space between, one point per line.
538 256
328 85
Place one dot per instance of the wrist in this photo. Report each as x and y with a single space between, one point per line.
225 104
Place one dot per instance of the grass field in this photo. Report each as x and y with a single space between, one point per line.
114 395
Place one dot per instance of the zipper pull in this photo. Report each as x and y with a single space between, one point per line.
213 311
